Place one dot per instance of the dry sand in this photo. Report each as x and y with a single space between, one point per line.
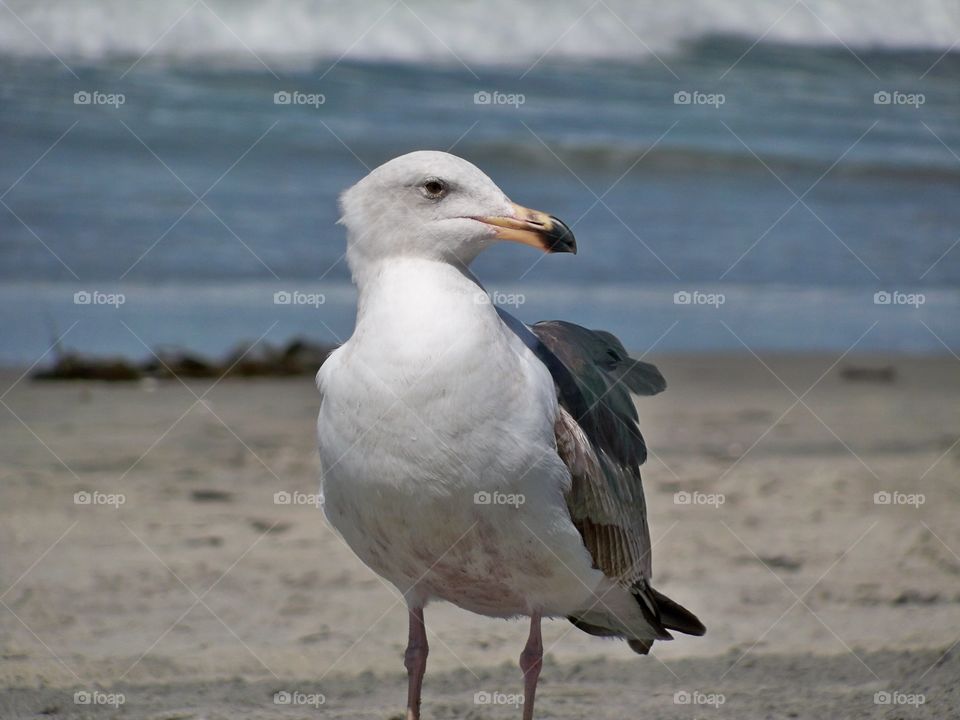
200 597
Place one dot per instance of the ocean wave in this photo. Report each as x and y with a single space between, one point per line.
586 157
304 32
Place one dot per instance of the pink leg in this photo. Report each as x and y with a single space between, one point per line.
415 659
531 661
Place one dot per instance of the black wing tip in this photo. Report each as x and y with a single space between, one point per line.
676 617
591 629
641 646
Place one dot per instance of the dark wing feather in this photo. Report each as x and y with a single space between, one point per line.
599 439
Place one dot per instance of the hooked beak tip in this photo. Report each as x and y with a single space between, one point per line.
534 228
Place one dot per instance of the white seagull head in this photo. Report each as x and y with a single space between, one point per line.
437 206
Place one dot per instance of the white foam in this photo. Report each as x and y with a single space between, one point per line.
497 31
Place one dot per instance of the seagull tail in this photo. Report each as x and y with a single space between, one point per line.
659 614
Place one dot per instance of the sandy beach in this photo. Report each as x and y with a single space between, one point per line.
162 553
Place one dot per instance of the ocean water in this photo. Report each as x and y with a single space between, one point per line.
780 175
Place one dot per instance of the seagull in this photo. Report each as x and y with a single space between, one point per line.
468 457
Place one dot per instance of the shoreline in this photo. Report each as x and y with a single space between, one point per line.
872 357
212 320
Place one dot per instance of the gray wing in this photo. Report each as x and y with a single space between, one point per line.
599 439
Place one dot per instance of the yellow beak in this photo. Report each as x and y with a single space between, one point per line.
535 228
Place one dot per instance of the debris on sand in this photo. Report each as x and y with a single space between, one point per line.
298 357
860 373
211 495
73 366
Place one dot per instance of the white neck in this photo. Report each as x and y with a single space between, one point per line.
427 287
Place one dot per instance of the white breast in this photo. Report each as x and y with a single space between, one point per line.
437 447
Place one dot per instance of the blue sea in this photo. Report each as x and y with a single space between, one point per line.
779 175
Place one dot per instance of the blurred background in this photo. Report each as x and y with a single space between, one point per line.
765 197
795 157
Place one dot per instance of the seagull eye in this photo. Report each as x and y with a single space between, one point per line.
434 188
